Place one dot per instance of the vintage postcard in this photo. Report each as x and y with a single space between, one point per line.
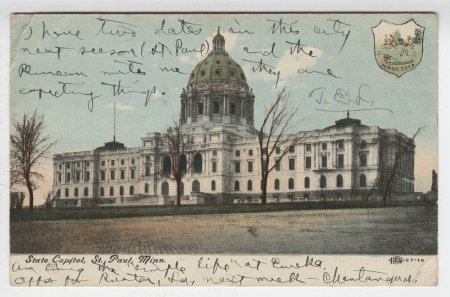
223 149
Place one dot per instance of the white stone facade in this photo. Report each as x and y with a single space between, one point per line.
341 161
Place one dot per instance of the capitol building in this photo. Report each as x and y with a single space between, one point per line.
346 160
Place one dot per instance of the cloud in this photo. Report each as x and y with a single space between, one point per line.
121 106
290 64
287 66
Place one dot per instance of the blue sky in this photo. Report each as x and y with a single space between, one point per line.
411 99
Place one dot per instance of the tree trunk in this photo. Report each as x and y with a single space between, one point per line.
30 194
178 193
263 191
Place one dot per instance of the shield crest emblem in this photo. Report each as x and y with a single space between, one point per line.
398 47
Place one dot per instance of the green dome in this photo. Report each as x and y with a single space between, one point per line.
217 66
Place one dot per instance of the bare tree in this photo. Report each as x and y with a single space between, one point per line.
387 184
28 146
178 143
276 133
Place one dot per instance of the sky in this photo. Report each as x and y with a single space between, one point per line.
334 55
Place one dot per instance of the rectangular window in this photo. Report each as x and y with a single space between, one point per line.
67 165
132 173
87 176
292 164
250 166
78 164
340 161
103 163
264 151
122 173
363 160
232 108
77 176
277 164
122 162
363 144
147 170
308 147
237 167
147 158
214 153
277 150
87 163
308 162
102 175
68 177
324 161
214 166
340 144
237 153
132 161
60 166
113 162
113 174
324 146
200 108
250 152
292 149
59 177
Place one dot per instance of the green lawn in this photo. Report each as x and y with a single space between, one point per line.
145 211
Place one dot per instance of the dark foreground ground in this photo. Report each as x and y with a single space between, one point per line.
387 230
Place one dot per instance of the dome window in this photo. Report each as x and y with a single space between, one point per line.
232 73
202 73
192 75
217 62
217 72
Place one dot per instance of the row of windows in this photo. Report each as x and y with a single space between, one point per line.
291 183
196 186
113 174
77 165
122 161
77 177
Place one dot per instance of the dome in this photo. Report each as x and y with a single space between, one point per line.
217 66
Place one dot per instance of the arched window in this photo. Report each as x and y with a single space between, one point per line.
86 192
111 191
362 180
277 184
249 185
75 192
198 163
131 190
66 192
183 163
323 182
102 191
165 189
146 188
236 186
121 190
339 181
196 186
291 184
167 165
213 185
306 182
58 193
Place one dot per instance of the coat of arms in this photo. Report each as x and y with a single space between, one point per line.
398 47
